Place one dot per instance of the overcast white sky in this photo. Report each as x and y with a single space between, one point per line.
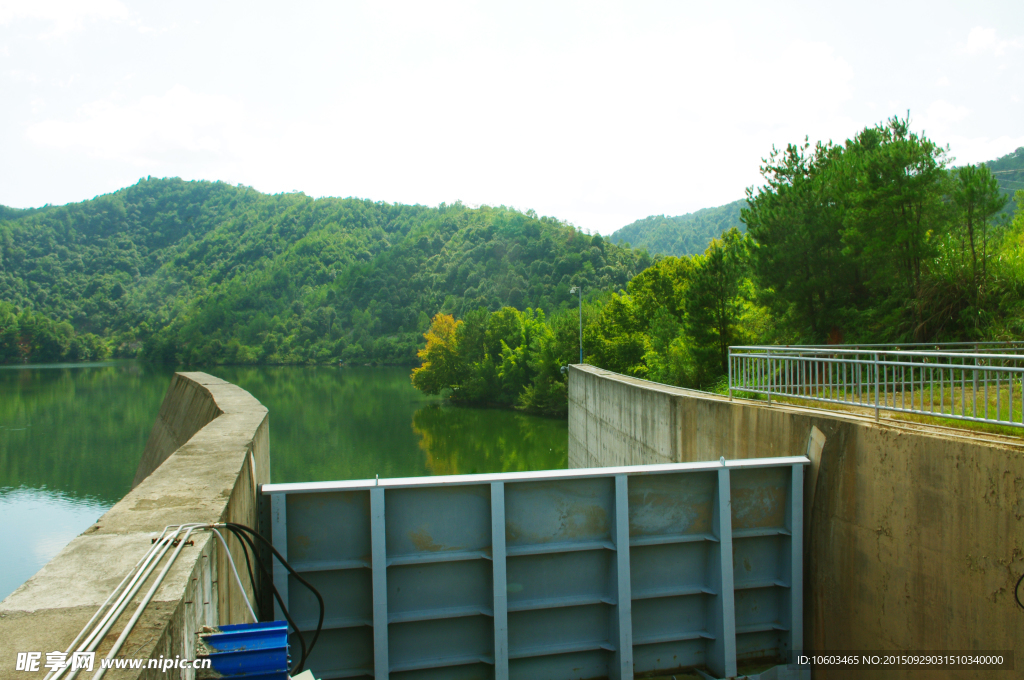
596 113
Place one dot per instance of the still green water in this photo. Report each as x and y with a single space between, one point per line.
71 437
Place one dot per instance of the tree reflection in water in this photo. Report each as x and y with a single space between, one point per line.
459 440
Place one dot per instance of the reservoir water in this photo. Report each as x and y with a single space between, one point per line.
71 437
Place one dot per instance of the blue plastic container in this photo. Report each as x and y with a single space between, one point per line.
255 651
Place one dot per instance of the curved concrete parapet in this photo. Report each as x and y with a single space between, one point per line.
187 408
209 451
914 535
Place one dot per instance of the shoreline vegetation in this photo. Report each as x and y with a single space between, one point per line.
879 238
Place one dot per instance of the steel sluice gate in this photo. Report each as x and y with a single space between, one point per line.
564 574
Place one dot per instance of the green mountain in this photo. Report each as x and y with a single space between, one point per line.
206 272
686 234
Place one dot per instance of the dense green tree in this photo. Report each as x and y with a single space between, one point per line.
977 199
28 337
619 337
505 358
859 241
796 223
892 183
715 302
618 340
662 285
547 391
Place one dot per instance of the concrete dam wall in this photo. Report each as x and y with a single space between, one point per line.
206 456
913 535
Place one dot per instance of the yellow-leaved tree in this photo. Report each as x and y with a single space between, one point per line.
441 367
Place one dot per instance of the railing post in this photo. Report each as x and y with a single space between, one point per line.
768 370
730 374
974 394
876 387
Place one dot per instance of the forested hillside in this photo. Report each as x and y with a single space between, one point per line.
686 234
205 272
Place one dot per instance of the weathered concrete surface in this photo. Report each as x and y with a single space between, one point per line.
187 408
914 536
212 476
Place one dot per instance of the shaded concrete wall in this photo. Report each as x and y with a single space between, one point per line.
212 476
914 536
187 408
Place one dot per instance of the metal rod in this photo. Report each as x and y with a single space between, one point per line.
974 392
846 390
986 395
142 605
963 389
999 415
876 387
788 380
130 579
942 390
730 374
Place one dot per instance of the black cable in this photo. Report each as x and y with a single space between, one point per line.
248 565
248 568
1016 591
300 579
240 531
320 599
284 608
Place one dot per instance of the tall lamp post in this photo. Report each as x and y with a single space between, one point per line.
579 289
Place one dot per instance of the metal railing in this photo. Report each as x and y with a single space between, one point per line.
987 347
978 382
